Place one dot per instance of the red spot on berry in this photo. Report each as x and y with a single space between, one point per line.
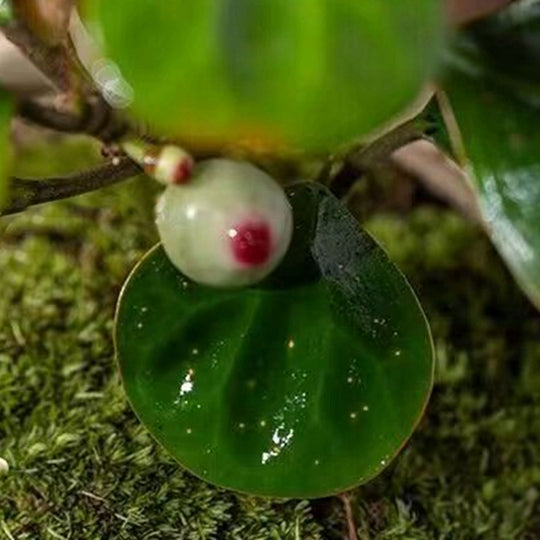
251 243
183 171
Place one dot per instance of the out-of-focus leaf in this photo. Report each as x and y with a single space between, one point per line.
493 84
303 386
5 147
5 12
310 72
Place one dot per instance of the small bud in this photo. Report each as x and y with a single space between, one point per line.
169 165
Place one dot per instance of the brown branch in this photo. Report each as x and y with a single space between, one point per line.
40 32
95 118
26 192
86 111
53 62
47 19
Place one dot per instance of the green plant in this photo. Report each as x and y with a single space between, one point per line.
267 78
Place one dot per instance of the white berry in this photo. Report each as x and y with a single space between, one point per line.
230 226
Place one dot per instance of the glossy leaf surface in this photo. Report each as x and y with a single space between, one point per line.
311 72
5 147
493 83
303 386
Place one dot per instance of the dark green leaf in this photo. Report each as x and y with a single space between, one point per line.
310 72
304 386
493 83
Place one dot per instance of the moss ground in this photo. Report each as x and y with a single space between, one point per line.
82 467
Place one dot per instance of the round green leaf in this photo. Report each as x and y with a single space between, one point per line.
5 148
493 83
303 386
308 72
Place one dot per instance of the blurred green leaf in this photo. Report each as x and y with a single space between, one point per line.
6 12
5 147
493 84
303 386
310 72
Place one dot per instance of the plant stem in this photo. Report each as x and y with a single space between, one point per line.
53 62
96 118
361 158
87 111
26 192
349 516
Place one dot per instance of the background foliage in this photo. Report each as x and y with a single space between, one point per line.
5 152
493 84
314 73
82 466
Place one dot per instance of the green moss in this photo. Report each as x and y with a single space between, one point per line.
81 466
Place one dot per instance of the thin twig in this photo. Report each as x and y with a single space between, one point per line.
57 59
361 158
352 533
87 111
48 117
53 62
26 192
95 118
